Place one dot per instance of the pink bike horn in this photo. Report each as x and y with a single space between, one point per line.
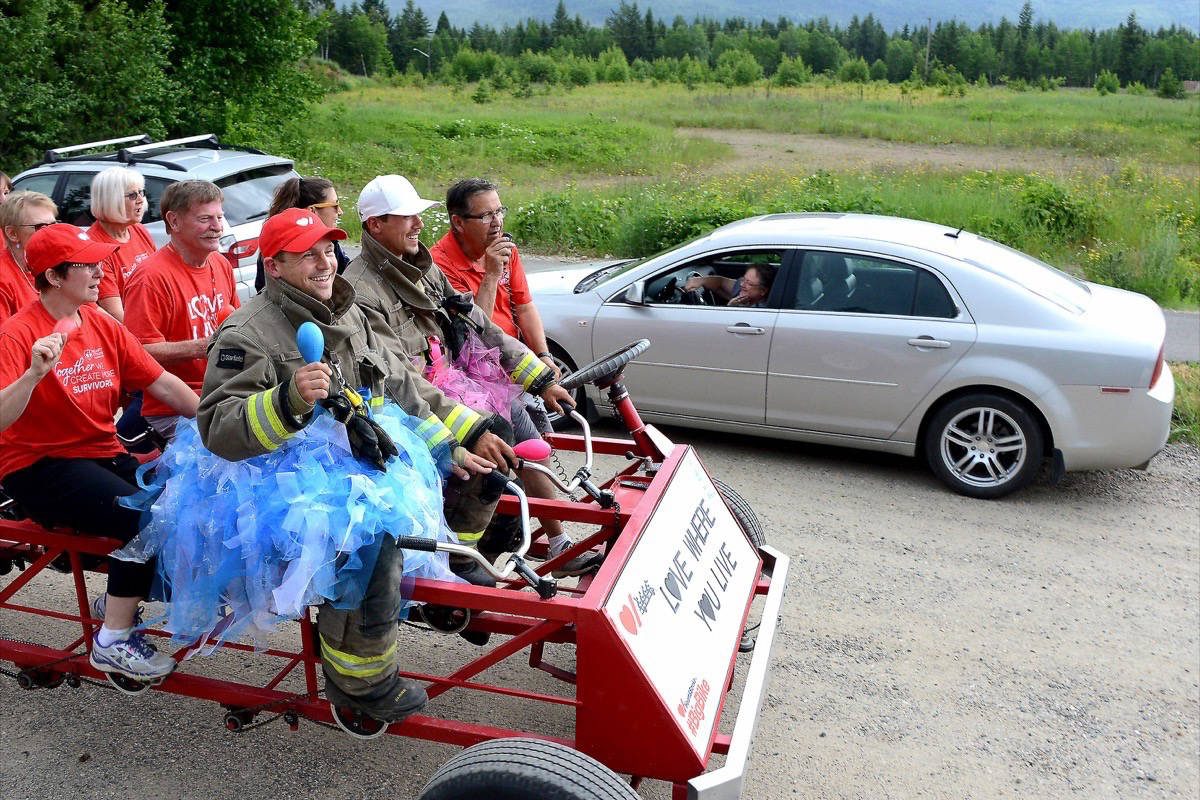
532 450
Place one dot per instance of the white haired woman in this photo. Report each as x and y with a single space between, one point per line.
118 204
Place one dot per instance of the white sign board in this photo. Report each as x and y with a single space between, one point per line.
678 603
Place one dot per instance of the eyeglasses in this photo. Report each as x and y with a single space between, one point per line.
752 284
37 226
487 216
334 204
135 194
95 267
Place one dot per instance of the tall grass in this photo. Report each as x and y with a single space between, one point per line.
600 170
1185 418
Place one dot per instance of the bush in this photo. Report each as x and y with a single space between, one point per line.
612 67
1137 88
791 72
738 68
1048 207
1185 417
854 71
483 92
879 70
1017 85
1169 86
1107 82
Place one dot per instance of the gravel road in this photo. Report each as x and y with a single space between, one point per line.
1040 646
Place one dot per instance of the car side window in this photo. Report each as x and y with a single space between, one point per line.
154 190
44 183
76 205
851 283
669 287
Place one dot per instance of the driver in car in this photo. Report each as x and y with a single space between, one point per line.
748 291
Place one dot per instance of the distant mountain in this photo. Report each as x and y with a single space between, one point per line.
893 14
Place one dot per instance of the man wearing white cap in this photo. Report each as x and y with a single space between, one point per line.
405 295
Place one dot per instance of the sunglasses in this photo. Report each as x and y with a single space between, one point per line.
332 204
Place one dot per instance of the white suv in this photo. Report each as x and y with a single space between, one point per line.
247 177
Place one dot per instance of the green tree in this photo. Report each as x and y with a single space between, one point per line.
1107 82
628 31
685 40
738 68
235 63
854 70
612 67
900 59
879 70
791 72
360 44
1169 85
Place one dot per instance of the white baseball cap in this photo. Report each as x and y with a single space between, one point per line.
390 194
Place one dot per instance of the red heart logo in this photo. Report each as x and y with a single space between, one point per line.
629 620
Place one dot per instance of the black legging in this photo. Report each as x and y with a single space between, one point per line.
82 493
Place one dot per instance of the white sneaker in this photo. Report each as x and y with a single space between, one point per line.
133 657
585 562
100 606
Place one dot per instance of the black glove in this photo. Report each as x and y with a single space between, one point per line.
368 441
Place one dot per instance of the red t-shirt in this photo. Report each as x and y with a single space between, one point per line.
16 286
125 259
70 413
466 276
168 301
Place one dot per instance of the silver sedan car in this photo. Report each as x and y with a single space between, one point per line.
880 333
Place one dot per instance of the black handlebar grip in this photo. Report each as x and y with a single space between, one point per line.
494 484
417 543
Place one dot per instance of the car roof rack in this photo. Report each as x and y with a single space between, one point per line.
143 151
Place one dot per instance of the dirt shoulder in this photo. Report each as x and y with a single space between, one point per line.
755 150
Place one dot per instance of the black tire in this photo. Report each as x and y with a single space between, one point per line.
984 445
743 513
525 769
566 366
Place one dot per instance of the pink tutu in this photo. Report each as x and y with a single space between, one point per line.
475 378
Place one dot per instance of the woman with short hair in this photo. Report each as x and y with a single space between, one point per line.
59 454
21 215
118 204
5 185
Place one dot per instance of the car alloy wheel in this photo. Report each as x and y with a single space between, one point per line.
984 445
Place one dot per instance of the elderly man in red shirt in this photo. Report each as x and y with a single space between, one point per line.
478 257
179 296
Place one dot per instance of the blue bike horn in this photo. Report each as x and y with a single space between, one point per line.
310 341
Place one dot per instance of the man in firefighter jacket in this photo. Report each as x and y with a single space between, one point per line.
258 392
403 294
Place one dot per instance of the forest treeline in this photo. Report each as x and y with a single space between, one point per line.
81 70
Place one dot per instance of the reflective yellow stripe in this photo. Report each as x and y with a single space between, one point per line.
256 426
281 432
528 370
357 666
469 537
461 420
377 402
439 436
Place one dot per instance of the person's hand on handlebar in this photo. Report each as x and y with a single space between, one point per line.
495 450
553 395
466 462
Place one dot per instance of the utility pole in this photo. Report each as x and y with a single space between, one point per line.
928 35
422 52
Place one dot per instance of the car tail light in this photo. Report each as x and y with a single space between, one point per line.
1158 366
243 249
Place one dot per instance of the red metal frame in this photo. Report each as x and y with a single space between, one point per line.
616 717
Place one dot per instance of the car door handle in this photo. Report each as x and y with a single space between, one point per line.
745 328
929 341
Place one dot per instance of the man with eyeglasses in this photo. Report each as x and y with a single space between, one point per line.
177 298
749 291
478 257
406 298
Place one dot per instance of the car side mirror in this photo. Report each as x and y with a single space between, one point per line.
635 294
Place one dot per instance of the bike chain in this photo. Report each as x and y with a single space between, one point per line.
82 678
264 706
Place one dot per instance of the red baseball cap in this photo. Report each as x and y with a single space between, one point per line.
294 231
61 243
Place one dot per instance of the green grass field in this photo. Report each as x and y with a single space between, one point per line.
601 171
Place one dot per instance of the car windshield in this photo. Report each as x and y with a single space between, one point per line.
611 271
1038 277
248 194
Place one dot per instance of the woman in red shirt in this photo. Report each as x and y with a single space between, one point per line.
118 204
21 215
64 364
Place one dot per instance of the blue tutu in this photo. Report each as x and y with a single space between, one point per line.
244 545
